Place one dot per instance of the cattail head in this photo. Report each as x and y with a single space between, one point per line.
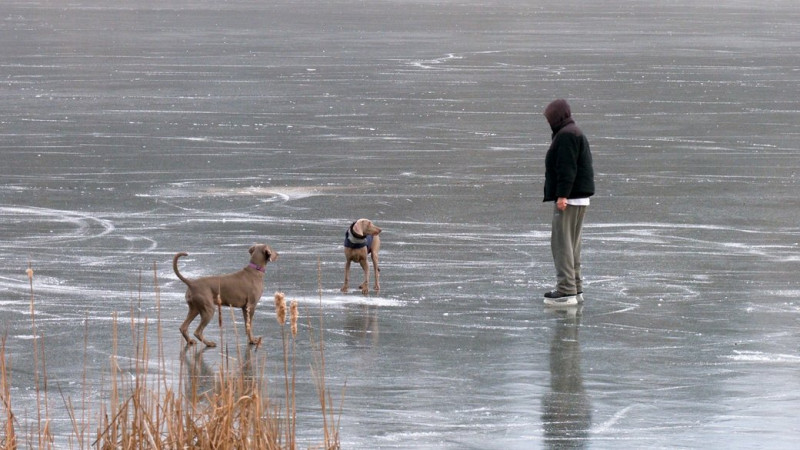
280 307
293 314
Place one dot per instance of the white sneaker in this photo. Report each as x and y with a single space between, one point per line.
556 298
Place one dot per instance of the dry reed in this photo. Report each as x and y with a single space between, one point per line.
141 410
8 440
330 420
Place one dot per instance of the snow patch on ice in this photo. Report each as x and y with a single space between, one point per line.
753 356
340 299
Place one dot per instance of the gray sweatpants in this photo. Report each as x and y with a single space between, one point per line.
565 243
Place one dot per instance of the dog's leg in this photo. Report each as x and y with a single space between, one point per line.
248 312
346 275
185 325
365 266
205 317
376 246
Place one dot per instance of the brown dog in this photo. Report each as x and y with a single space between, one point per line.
360 240
240 289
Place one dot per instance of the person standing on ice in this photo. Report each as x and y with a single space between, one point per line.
569 182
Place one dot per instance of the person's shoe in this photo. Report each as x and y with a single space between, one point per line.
555 298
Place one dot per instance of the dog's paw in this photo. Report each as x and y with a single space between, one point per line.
256 341
211 344
345 288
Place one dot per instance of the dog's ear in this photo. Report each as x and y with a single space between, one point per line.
252 249
270 254
361 226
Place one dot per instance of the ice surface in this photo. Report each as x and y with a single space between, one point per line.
132 131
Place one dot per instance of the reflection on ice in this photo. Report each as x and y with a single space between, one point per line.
566 408
361 325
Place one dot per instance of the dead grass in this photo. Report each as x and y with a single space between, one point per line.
227 409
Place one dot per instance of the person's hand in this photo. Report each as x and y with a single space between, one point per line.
561 203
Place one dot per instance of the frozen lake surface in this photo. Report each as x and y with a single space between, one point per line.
134 130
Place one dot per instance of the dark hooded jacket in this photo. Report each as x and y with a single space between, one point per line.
568 164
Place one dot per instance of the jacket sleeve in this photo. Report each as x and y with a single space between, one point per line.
566 163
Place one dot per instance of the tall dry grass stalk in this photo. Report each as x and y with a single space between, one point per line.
142 410
330 419
291 410
8 440
43 435
280 314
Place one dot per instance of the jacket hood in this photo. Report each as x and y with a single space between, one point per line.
558 114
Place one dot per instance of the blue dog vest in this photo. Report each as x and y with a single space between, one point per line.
351 240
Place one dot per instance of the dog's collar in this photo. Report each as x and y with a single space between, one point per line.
261 269
356 235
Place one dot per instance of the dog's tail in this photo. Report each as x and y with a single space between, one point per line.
175 267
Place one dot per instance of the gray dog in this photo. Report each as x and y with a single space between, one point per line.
240 289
